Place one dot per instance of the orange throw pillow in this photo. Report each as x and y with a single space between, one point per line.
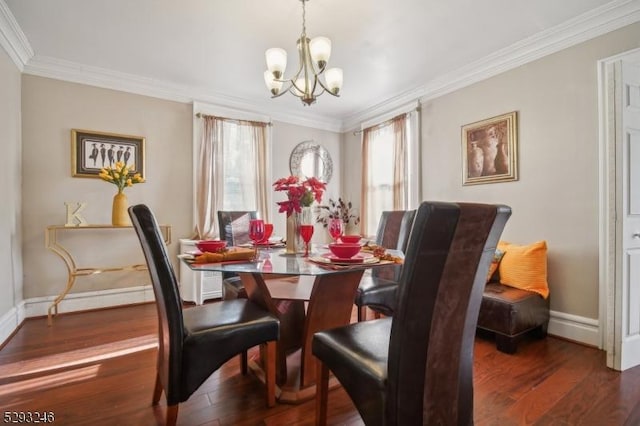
525 266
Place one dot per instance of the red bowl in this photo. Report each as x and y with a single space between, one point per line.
211 246
354 239
344 250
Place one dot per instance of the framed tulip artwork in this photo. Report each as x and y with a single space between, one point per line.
490 150
92 151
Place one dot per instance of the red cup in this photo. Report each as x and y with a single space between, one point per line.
268 230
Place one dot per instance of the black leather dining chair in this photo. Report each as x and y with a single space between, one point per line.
416 367
378 290
234 229
195 342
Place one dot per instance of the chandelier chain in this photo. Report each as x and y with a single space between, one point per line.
304 20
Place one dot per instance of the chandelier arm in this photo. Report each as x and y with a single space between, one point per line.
290 82
293 88
282 92
337 95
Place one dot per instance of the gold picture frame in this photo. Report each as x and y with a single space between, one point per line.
91 151
490 150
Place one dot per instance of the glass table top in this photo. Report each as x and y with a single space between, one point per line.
276 261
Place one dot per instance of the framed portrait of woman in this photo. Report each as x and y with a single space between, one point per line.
490 150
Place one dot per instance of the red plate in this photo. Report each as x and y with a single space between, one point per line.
358 258
267 243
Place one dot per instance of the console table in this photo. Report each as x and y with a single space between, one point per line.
51 242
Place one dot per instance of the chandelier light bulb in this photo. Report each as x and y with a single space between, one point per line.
300 87
320 48
276 61
273 85
333 77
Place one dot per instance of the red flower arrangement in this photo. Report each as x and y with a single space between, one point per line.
299 193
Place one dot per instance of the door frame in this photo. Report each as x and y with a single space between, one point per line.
609 266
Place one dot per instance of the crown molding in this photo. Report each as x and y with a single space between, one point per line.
59 69
609 17
12 39
599 21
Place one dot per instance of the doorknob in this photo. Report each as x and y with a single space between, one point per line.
636 235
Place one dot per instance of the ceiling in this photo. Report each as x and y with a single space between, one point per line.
213 50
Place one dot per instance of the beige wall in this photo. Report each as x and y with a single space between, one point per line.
556 197
51 108
10 220
285 138
351 152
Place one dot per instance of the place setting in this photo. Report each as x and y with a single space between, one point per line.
216 251
345 250
262 237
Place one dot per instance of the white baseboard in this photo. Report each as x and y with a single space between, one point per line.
576 328
10 321
73 302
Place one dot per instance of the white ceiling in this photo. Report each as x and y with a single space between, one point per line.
213 50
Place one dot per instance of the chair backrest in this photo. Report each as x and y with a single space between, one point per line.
234 226
393 229
433 327
393 233
168 302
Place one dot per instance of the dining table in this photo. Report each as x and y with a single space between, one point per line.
307 294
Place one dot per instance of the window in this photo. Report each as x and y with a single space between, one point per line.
390 176
230 164
238 180
379 183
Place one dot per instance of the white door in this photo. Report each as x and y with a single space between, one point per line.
627 299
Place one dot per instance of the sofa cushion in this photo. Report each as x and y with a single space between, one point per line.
524 266
511 311
493 267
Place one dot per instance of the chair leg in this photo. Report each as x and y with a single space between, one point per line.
243 363
362 313
157 391
172 415
270 373
322 392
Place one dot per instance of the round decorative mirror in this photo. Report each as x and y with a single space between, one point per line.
310 159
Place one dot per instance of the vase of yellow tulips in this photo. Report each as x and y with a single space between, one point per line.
123 177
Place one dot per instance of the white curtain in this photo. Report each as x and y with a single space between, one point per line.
384 171
231 171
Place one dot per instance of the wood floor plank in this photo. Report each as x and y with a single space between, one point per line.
98 368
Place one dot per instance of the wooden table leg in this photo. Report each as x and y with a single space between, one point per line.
330 305
290 313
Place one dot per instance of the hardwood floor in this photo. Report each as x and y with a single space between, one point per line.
98 368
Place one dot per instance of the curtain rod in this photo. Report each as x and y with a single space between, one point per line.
385 122
235 120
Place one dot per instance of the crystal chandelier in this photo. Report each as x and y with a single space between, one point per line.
306 83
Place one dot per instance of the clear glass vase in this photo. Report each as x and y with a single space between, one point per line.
295 243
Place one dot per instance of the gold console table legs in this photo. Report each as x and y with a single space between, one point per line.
51 242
